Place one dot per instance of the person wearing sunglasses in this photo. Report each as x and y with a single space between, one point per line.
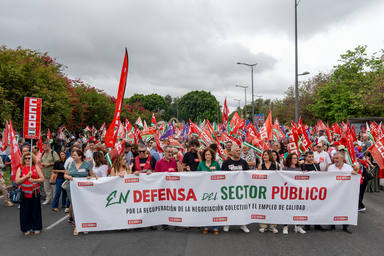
144 162
29 176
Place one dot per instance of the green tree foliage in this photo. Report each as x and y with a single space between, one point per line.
197 106
355 88
26 73
152 102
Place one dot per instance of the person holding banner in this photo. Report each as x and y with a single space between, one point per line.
78 169
191 159
235 163
340 165
29 176
144 162
209 164
100 169
120 167
268 163
292 164
168 163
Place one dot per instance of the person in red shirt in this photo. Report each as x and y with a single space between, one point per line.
168 163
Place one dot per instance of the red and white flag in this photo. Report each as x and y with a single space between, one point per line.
111 134
153 121
5 140
15 151
377 151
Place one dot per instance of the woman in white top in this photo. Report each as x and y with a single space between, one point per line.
100 168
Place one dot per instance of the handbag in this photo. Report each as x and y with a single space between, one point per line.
64 185
52 179
16 195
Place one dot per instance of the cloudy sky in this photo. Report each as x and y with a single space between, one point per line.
180 45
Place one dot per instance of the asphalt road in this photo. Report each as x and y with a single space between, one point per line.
367 238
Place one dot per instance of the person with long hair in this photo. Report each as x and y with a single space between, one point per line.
268 163
209 164
292 164
59 169
29 176
78 169
120 167
100 169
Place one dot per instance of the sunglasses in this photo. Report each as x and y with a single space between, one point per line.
27 158
141 151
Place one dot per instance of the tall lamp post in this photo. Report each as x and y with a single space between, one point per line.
245 97
250 65
297 95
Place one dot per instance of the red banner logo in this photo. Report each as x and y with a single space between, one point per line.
135 222
340 218
301 177
300 218
172 219
32 118
257 217
343 177
220 219
131 180
170 178
85 184
89 225
259 176
218 177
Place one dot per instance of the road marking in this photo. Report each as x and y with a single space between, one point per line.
1 197
57 222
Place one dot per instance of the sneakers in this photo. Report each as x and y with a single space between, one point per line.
273 230
244 228
46 202
226 228
262 230
285 230
362 209
299 229
66 210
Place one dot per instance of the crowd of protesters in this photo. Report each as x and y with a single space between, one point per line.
45 181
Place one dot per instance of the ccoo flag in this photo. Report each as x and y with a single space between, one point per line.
111 135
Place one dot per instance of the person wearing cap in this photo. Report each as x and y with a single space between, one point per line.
47 160
340 166
128 153
321 157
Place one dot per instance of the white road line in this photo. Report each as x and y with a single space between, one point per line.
57 222
1 197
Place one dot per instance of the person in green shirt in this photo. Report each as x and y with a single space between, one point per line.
208 163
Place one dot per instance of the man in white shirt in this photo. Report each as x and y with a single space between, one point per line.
341 166
321 157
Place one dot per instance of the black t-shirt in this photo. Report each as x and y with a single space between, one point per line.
231 165
59 165
143 161
310 167
192 160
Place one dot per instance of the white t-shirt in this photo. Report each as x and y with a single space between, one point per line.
323 159
345 168
101 171
89 154
68 162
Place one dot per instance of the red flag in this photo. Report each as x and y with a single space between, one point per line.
328 132
220 150
40 144
111 135
266 130
15 151
4 142
153 121
158 144
225 112
377 151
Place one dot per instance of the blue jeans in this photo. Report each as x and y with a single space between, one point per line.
55 203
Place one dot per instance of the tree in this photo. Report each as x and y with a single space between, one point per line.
152 102
354 88
28 73
197 106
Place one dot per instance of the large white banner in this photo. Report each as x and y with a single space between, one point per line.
215 199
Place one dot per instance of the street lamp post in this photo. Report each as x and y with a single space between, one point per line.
245 97
250 65
238 101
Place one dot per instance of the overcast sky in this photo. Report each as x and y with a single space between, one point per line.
180 45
